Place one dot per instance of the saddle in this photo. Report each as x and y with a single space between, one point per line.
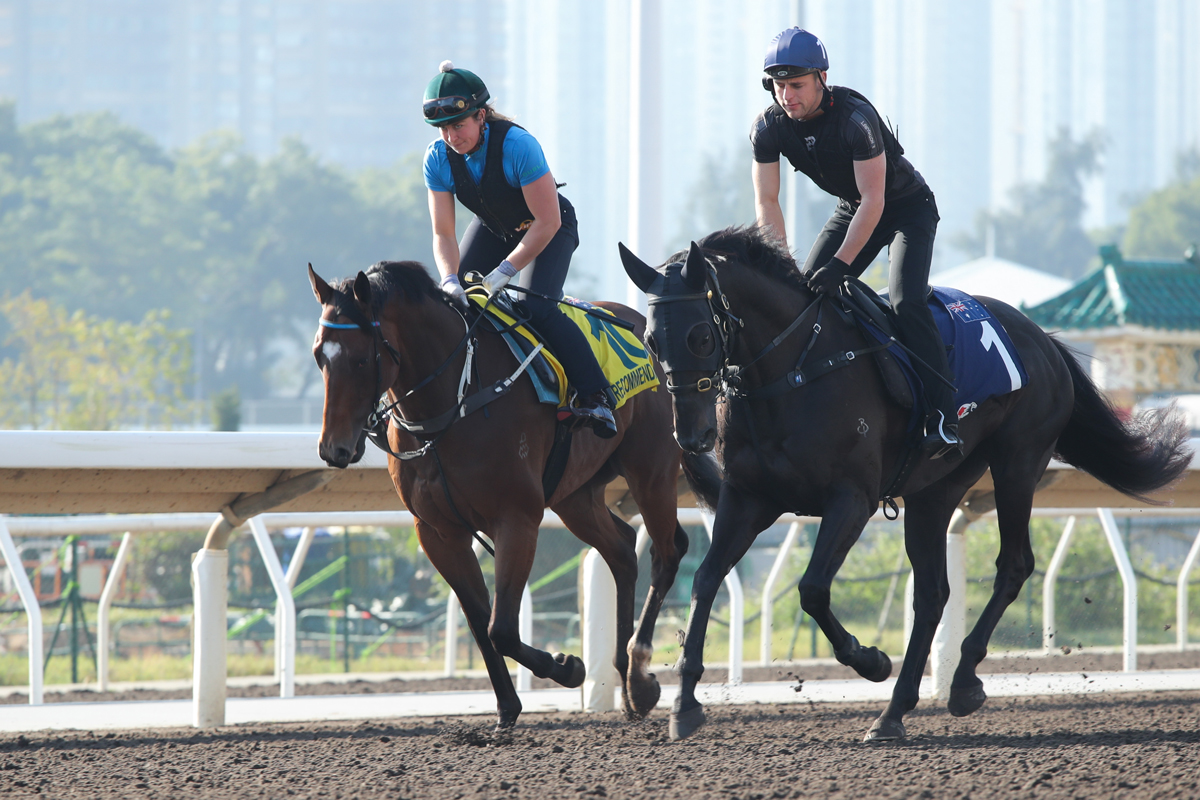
982 357
622 358
620 355
865 307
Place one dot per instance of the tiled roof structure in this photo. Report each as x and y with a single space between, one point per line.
1156 294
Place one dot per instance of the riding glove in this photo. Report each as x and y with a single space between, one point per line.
498 278
828 278
455 291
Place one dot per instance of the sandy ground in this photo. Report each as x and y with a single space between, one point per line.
1121 746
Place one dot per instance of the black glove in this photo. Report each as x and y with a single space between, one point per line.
828 278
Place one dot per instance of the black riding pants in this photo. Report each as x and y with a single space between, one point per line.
482 251
907 228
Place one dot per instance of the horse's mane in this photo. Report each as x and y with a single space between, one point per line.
757 248
409 278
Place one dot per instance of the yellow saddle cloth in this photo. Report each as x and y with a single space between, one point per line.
622 358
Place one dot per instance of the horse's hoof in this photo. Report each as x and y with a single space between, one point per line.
507 719
885 730
882 665
685 723
643 695
576 671
966 700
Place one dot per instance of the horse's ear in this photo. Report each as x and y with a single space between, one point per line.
362 289
695 269
642 274
320 288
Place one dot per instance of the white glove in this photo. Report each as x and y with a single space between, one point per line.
455 291
498 278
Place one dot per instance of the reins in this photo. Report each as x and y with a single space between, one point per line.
436 427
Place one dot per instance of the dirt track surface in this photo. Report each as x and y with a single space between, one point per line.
1120 746
789 672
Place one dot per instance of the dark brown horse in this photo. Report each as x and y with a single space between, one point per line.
791 439
391 330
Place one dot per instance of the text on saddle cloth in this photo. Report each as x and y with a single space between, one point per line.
982 357
622 357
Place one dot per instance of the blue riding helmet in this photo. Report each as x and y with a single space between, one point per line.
793 53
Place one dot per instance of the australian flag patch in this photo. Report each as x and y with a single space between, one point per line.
984 362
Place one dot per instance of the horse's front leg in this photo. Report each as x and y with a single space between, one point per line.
738 521
846 514
454 560
516 542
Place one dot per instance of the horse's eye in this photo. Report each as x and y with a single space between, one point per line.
360 363
700 340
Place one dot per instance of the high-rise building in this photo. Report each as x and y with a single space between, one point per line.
345 76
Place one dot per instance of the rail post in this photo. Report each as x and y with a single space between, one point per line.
1129 582
1049 610
103 629
285 616
598 631
768 592
33 612
952 629
1181 596
210 576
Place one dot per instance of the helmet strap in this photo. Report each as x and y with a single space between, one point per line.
482 132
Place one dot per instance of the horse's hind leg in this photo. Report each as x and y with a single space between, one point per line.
1015 484
926 519
668 544
455 562
585 514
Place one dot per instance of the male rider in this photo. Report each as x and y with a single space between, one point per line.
834 136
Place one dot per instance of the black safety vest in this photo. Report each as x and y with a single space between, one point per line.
500 206
824 157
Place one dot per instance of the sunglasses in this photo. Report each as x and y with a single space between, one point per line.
445 107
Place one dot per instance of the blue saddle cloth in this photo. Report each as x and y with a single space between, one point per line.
984 362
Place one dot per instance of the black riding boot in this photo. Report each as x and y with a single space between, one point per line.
941 438
595 411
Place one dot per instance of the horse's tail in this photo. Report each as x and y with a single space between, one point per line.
1135 456
704 476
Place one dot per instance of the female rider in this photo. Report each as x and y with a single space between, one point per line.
523 227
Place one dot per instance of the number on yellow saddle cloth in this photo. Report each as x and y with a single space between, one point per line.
622 358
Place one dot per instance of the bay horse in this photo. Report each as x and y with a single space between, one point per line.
391 329
732 323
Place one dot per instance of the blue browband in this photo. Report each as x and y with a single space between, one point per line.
343 326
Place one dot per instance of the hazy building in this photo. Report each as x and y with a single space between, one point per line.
346 76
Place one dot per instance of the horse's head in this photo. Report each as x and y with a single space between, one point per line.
348 353
685 336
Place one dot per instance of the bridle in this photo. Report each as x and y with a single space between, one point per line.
724 376
377 421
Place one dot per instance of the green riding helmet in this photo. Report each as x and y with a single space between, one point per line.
453 94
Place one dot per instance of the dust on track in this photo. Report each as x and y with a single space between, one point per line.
1126 746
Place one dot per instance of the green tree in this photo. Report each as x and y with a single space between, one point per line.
1167 222
71 371
95 216
1043 228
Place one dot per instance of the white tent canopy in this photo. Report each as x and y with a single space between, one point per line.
1005 280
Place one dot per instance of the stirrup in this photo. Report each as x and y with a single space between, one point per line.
943 441
595 412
